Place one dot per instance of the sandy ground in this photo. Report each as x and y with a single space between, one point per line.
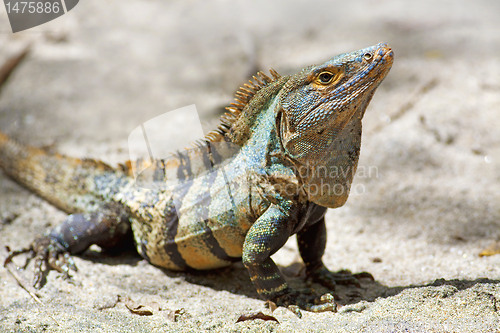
421 211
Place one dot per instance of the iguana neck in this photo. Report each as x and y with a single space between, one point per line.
262 152
262 142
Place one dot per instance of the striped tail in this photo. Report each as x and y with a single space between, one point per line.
61 180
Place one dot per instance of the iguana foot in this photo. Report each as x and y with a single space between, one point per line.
306 302
328 279
49 254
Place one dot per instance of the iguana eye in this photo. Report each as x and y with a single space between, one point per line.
325 77
367 56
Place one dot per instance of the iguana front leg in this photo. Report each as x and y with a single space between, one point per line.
267 235
106 227
312 242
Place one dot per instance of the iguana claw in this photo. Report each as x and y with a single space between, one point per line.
48 254
329 280
294 300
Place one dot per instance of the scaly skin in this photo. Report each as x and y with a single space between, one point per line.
286 151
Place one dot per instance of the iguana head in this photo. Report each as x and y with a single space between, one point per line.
319 121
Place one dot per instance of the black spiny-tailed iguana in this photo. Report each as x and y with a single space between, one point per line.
263 176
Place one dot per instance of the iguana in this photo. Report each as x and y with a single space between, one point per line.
285 151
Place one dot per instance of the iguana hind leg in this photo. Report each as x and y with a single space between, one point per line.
106 227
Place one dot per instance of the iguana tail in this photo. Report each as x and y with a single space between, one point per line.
59 179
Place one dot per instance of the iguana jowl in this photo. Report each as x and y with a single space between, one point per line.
298 139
